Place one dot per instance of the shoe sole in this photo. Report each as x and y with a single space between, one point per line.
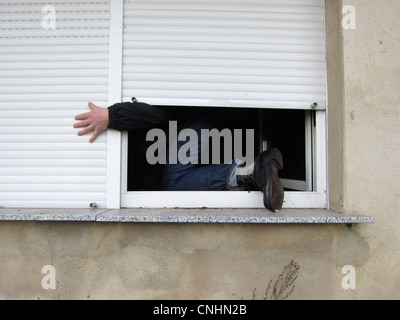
273 193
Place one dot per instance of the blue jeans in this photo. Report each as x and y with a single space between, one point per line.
197 177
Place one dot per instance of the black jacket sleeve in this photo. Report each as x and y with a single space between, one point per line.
131 116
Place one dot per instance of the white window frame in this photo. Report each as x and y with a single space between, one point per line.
113 200
234 199
305 184
119 197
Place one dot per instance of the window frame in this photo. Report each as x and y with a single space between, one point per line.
233 199
113 194
117 194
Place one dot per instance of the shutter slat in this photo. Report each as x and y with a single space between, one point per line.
52 65
80 98
52 42
56 188
51 147
51 163
56 81
54 196
81 75
72 48
53 180
217 71
49 57
218 78
36 90
38 154
39 172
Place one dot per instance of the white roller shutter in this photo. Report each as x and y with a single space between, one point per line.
47 77
236 53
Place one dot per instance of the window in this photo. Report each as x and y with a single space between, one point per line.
266 58
288 130
293 131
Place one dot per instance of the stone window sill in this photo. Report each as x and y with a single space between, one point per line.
245 216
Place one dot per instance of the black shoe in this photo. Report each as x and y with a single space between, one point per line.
265 178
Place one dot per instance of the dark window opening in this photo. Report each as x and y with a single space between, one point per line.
283 129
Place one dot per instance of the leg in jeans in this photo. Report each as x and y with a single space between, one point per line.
194 176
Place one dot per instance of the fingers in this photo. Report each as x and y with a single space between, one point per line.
94 136
85 131
85 115
92 105
82 116
81 124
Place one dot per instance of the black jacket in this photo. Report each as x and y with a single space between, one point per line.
132 116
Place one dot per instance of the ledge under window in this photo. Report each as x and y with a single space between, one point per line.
246 216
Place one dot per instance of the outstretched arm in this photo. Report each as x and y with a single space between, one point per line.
96 120
124 116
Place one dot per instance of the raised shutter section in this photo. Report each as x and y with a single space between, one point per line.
47 77
263 54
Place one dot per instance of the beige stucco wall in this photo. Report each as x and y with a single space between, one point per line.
372 137
204 261
155 261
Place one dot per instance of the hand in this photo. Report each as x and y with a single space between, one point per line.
96 120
